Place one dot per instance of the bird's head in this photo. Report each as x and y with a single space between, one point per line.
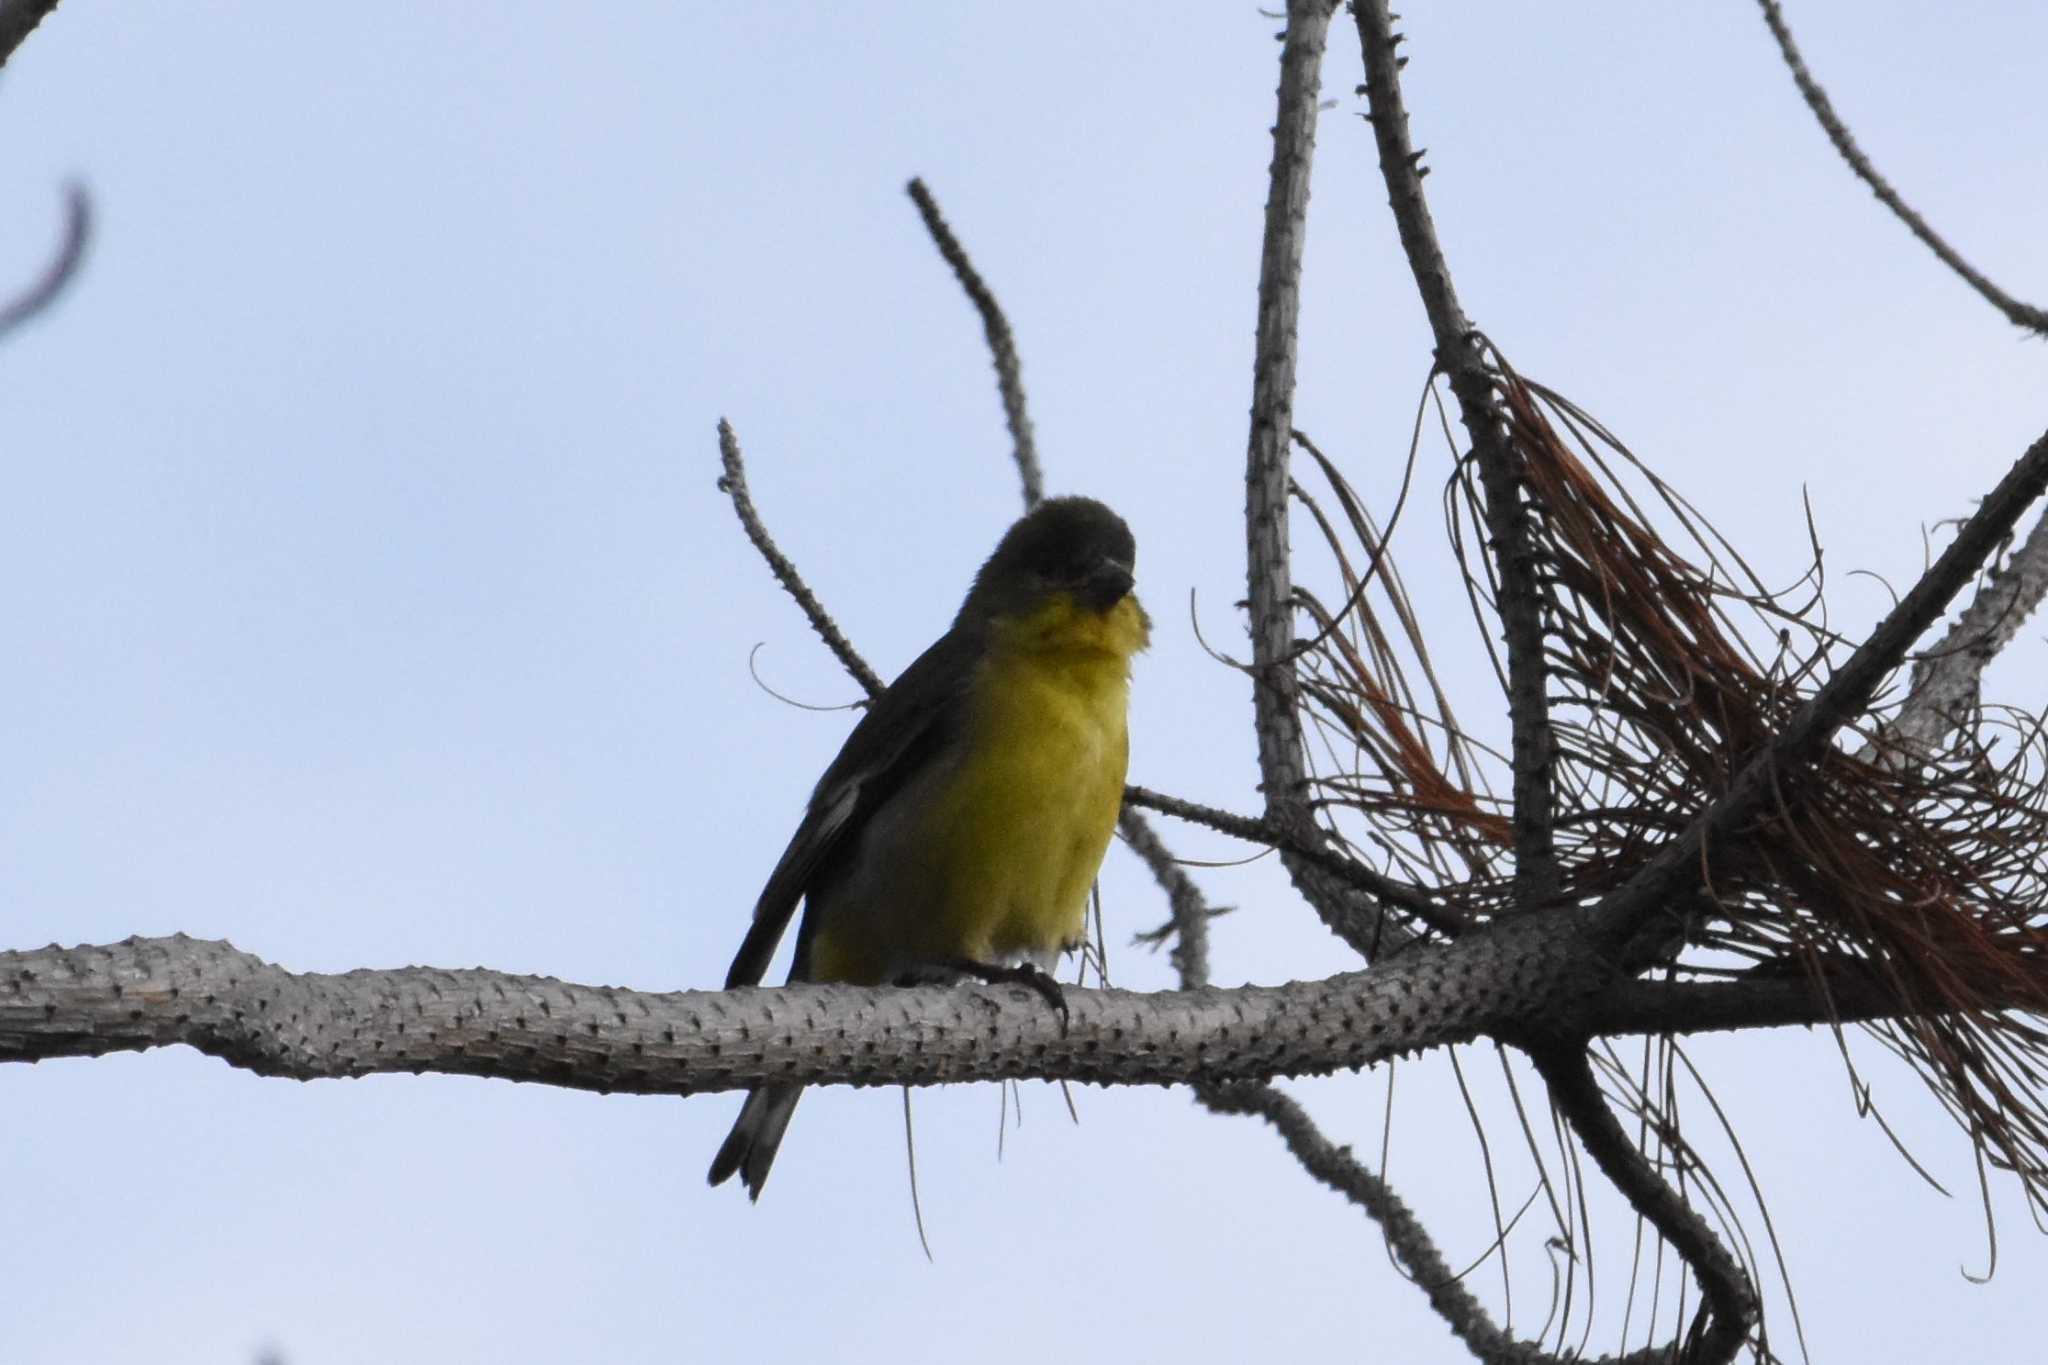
1063 570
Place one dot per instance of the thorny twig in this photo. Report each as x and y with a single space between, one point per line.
1388 890
733 483
1001 343
1508 510
2019 314
1730 1308
1268 572
1413 1248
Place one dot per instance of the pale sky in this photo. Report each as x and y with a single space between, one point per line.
370 602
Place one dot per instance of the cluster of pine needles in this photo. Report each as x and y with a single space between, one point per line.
1670 664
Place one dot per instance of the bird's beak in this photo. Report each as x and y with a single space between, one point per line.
1107 584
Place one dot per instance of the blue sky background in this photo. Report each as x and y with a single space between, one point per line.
370 602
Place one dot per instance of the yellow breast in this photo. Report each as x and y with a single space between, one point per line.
996 861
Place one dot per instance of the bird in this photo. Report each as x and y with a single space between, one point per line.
963 821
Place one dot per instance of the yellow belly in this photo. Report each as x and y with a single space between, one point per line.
992 855
1021 830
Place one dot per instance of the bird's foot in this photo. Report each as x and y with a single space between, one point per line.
1023 974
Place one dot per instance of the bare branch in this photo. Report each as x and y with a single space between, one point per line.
2019 314
1842 993
63 264
733 483
1730 1307
1000 342
1326 1161
1460 355
1314 851
1335 1167
1945 678
152 992
1275 690
1184 900
1842 698
18 19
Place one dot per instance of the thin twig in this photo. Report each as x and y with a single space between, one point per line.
1184 900
1001 343
733 483
2019 314
63 264
1415 1252
1407 1239
1460 354
1316 852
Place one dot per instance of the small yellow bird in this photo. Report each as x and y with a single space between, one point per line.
965 817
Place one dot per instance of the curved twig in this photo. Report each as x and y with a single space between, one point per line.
2019 314
1729 1310
1415 1252
63 264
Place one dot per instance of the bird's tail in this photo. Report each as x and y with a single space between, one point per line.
750 1146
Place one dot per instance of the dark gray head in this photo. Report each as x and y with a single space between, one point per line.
1073 545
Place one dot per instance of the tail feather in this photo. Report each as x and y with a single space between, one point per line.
750 1147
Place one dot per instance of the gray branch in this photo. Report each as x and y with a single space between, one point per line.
1945 679
1518 597
733 483
1730 1310
1002 343
144 993
1525 977
2018 313
1269 575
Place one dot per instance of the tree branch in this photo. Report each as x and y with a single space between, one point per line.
1276 698
1845 993
1729 1309
1843 697
733 483
2019 314
143 993
1507 981
1324 1160
1316 852
1001 344
1519 596
1945 678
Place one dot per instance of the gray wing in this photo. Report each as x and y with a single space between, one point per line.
908 724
